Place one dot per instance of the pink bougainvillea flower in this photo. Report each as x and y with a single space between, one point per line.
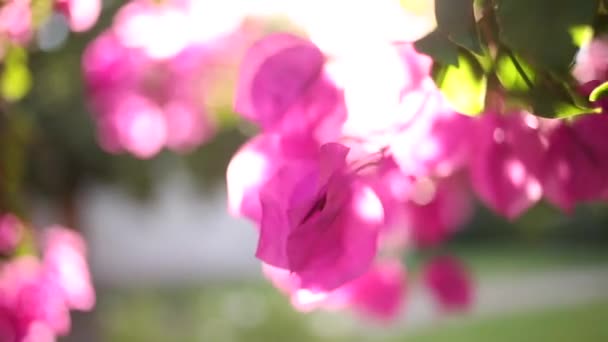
27 300
142 105
319 221
254 164
65 262
283 86
377 294
575 165
35 297
592 61
505 162
16 21
10 233
436 209
81 14
449 283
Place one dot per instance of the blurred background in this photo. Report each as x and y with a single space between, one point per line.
170 264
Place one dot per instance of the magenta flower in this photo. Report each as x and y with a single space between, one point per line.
29 305
142 105
16 21
437 209
65 262
319 221
378 294
283 86
81 14
35 298
506 161
592 61
10 233
575 165
449 283
255 163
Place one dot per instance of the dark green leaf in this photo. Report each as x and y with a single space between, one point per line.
557 103
439 47
540 30
456 20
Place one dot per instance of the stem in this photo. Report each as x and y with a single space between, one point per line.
519 68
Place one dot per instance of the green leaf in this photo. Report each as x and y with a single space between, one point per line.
464 85
540 30
557 103
456 20
513 73
599 92
439 47
16 79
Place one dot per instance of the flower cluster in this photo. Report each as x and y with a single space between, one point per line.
147 75
360 155
17 26
37 295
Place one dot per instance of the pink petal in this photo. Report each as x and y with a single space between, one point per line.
449 282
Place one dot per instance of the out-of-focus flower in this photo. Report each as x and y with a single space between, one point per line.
436 209
16 21
575 165
10 233
65 263
81 14
592 61
377 294
318 221
35 297
255 163
149 91
283 86
506 160
142 106
449 283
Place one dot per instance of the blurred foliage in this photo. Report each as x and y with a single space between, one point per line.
529 45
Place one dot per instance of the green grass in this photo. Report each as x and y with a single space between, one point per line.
583 323
510 258
255 311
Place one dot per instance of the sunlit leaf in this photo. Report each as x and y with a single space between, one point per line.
464 85
512 76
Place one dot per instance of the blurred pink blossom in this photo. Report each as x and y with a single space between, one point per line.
10 233
283 86
575 165
81 14
592 61
35 297
449 283
16 21
436 209
141 105
377 294
506 162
